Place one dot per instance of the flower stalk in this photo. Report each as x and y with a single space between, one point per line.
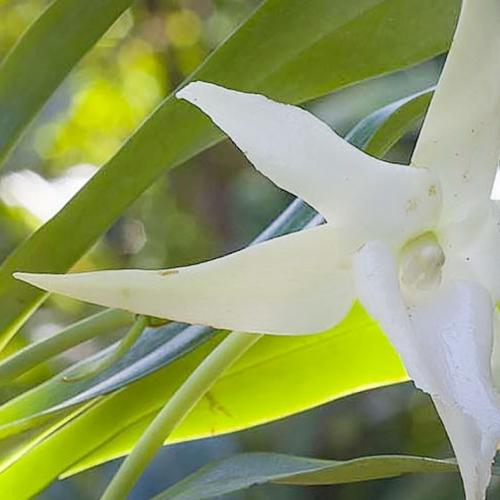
123 347
176 409
86 329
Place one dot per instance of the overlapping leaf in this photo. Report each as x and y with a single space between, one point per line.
319 368
353 357
159 347
44 56
326 54
243 471
285 51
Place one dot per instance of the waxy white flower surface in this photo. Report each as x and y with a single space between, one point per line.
418 245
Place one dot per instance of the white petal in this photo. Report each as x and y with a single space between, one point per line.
304 156
455 332
295 284
495 190
475 448
377 285
445 344
472 247
460 138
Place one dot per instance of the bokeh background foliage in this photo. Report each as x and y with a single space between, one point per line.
107 101
283 50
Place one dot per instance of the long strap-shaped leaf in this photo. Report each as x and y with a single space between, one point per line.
354 357
351 358
43 57
390 120
284 50
325 368
159 347
249 469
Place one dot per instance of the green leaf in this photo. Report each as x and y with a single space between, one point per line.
250 469
383 128
353 357
108 430
36 353
156 348
159 347
284 50
404 116
14 447
43 57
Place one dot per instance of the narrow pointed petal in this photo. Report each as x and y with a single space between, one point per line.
475 448
445 343
460 138
304 156
296 284
377 286
456 336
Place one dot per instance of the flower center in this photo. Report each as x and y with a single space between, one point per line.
421 262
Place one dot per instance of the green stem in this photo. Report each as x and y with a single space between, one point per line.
84 330
123 347
176 409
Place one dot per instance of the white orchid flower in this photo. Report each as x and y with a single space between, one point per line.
418 245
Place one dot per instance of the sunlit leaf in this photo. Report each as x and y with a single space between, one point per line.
319 369
285 51
18 445
353 357
156 348
159 347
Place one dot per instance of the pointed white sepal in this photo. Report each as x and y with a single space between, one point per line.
460 138
296 284
302 155
456 335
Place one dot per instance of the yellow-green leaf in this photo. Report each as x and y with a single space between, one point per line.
353 357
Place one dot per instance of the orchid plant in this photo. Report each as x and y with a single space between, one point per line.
417 245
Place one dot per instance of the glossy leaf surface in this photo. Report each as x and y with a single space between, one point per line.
243 471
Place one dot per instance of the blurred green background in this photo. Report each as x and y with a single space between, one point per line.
213 205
